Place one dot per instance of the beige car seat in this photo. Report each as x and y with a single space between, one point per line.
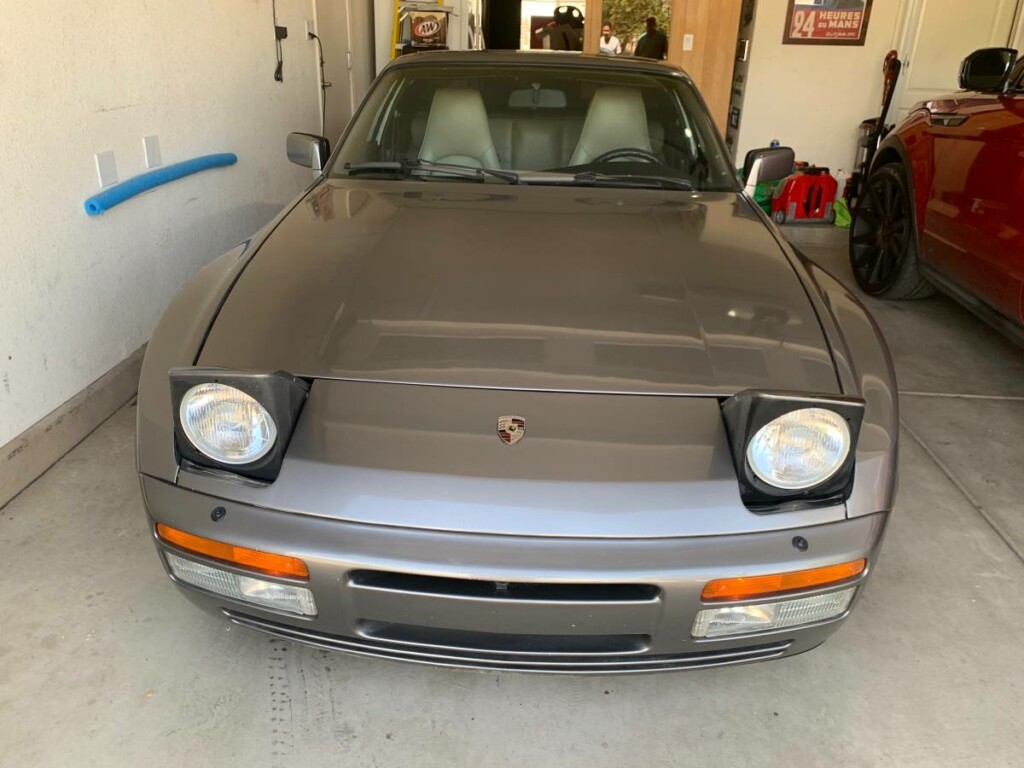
457 131
616 119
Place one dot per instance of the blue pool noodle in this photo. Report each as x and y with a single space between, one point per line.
136 185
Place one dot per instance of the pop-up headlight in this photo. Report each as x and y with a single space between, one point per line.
792 449
237 422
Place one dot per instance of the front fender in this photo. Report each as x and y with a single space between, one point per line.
911 145
177 342
865 369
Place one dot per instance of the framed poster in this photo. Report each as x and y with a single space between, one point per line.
827 22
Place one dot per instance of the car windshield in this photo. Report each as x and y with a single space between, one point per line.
536 124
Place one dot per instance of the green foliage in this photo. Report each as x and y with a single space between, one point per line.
627 17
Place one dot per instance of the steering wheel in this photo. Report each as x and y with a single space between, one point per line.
627 152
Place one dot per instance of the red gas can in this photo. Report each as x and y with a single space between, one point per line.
805 197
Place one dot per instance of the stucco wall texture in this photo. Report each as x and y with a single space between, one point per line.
79 294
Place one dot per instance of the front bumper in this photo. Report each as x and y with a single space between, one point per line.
508 602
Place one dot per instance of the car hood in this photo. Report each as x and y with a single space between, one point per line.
519 287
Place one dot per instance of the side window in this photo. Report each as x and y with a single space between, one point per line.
666 124
408 120
1017 78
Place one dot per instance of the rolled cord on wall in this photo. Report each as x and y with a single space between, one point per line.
144 182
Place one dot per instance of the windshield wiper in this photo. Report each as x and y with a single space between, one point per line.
592 179
410 165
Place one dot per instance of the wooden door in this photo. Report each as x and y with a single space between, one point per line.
592 16
709 56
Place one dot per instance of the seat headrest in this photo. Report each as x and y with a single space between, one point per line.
616 119
418 128
656 131
457 130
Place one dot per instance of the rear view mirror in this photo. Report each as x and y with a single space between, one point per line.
769 164
986 70
308 150
537 98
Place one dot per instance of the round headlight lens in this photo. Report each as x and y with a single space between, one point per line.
800 449
226 424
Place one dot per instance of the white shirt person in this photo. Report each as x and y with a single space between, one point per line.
609 43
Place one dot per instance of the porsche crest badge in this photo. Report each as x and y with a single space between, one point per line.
511 429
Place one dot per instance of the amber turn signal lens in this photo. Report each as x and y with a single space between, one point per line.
264 562
744 587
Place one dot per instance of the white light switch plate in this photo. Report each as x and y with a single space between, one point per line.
687 42
151 146
106 168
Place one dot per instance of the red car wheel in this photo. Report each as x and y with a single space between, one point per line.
883 245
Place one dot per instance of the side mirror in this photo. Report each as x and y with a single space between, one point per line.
986 70
770 164
308 150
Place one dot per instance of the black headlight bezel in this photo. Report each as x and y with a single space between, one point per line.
747 412
282 394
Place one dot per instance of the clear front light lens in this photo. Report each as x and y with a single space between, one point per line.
270 594
745 619
226 424
800 449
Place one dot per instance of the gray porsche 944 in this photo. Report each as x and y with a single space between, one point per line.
524 380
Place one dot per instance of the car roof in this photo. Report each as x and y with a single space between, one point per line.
534 58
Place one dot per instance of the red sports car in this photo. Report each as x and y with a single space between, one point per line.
943 206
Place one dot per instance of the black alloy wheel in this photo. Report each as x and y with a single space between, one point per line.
883 246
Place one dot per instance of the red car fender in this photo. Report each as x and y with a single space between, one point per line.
912 145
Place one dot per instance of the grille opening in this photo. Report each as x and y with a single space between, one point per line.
498 590
503 643
522 662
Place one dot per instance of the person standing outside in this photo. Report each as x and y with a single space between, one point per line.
654 43
609 44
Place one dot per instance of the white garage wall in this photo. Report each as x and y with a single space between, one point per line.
383 21
78 294
813 97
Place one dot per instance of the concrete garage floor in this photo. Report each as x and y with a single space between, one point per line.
102 663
